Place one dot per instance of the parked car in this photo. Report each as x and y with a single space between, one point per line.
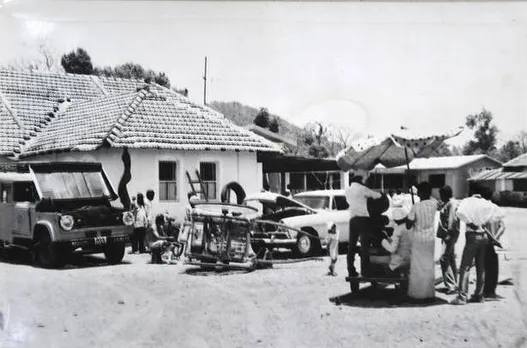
275 208
52 209
331 206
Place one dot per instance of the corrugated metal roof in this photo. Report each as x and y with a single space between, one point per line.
520 161
448 162
496 174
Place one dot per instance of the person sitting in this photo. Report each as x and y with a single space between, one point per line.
370 242
399 244
157 240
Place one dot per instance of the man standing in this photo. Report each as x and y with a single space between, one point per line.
149 206
475 212
357 195
448 232
496 230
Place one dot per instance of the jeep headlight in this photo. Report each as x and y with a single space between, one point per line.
128 218
66 222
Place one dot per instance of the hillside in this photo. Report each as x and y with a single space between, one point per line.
243 115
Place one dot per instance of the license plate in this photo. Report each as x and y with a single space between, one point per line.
100 240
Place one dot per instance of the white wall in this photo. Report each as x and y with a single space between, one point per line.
231 166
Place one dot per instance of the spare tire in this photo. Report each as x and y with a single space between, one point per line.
237 188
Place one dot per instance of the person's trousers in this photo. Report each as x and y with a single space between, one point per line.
359 227
138 239
491 270
448 265
475 246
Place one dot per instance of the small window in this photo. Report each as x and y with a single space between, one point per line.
335 181
340 203
168 181
519 185
437 180
207 171
296 180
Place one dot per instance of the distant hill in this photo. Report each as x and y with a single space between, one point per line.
243 115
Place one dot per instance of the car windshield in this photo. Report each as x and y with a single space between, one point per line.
72 185
314 202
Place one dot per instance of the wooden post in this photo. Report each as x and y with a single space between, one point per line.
408 171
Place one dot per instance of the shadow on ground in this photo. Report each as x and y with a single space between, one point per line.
75 261
379 297
212 271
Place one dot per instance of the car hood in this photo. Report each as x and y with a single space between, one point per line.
276 199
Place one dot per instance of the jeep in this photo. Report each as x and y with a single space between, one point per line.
55 208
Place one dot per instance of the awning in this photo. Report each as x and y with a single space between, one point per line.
496 174
275 163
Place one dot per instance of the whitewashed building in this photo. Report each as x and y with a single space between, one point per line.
64 117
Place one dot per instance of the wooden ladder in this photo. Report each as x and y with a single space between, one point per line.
201 187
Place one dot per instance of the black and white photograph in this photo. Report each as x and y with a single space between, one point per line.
263 174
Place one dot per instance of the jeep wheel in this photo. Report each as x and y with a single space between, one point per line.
47 253
114 253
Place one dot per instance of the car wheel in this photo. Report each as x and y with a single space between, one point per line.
304 245
47 253
114 253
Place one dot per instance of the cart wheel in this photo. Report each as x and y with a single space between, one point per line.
354 287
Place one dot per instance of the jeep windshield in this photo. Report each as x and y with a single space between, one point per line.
68 185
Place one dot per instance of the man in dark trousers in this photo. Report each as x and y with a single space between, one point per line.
491 264
476 212
448 232
357 195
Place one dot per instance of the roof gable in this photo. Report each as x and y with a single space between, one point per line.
61 112
520 161
447 162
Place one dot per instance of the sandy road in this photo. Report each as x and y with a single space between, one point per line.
136 304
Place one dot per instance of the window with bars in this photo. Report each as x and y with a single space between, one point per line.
168 181
207 171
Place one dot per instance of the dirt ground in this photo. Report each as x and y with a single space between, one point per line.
136 304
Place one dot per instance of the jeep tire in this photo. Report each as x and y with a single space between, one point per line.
47 253
114 253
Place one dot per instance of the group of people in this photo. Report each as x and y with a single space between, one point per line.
150 232
412 243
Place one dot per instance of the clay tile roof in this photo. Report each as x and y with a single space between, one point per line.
42 113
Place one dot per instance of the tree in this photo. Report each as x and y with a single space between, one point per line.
41 57
274 125
444 150
318 151
509 150
485 134
136 71
262 118
315 137
77 62
521 138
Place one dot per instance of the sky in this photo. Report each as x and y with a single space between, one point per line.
367 66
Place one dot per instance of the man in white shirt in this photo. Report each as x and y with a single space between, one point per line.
357 195
475 212
496 229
